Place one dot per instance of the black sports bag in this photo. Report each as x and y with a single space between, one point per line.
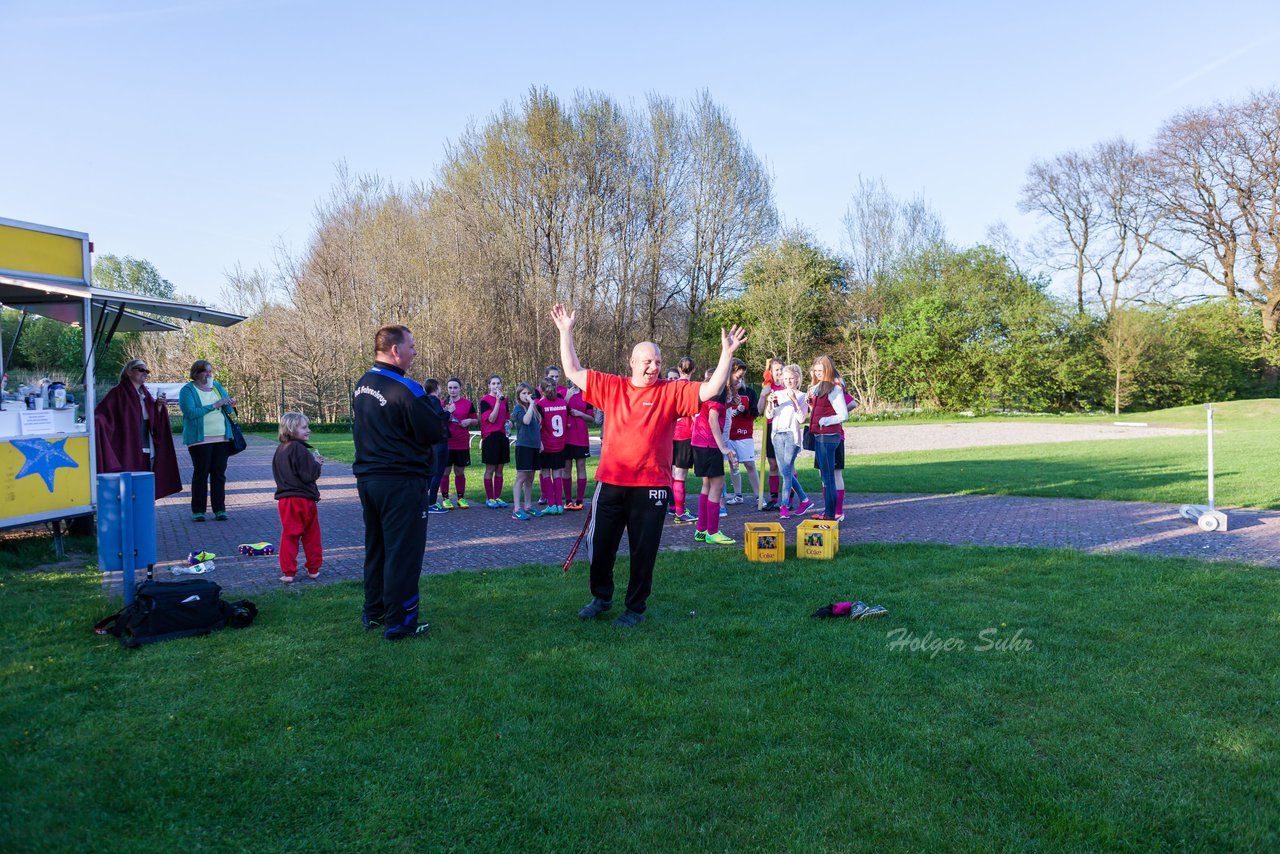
163 611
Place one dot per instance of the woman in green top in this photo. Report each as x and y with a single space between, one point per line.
206 431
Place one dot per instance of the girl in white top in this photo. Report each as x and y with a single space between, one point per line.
788 409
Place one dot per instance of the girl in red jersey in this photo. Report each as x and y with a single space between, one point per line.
772 382
742 423
681 452
709 452
555 426
495 447
577 445
462 418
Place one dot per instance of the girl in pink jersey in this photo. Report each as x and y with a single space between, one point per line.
555 427
709 452
495 447
681 453
577 445
462 417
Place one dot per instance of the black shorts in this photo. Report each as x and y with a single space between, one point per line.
576 452
768 444
552 460
682 453
708 462
839 458
459 458
495 449
527 459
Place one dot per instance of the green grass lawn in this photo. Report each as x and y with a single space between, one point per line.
1142 716
1170 469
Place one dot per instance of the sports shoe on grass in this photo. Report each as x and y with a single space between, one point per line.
720 538
402 633
593 609
699 536
436 508
220 516
197 517
370 622
685 518
447 504
287 579
858 610
875 611
804 507
464 504
629 620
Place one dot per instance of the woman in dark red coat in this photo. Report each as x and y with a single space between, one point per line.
133 432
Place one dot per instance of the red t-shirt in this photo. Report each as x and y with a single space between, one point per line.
702 436
555 423
684 426
742 420
459 436
487 403
638 425
578 434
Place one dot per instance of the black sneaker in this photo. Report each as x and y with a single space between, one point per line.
593 609
770 505
875 611
418 631
629 619
371 622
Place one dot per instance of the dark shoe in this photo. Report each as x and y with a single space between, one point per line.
875 611
593 609
197 517
629 619
770 506
398 633
220 516
370 622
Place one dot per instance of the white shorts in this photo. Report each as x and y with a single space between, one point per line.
744 448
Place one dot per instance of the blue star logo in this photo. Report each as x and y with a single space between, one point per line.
43 457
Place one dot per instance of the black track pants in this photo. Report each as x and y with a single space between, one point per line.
640 511
395 536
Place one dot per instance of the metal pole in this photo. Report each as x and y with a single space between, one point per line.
1209 409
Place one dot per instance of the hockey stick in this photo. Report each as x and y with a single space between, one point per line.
578 542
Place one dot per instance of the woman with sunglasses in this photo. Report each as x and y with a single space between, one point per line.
131 430
827 412
206 431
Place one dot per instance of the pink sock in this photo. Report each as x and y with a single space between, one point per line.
702 512
488 486
564 489
557 490
774 482
839 501
497 486
544 485
582 489
677 495
713 517
460 483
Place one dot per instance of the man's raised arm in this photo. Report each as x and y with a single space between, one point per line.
573 370
729 343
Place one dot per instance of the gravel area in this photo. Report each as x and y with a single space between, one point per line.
936 437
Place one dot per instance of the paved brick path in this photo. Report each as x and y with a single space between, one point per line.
481 538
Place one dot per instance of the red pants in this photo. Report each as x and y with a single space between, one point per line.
298 521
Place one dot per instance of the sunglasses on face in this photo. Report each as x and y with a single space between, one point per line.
142 370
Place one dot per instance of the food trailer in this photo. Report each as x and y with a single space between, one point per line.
47 458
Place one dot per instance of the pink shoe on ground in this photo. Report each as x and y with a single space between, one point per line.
804 507
784 513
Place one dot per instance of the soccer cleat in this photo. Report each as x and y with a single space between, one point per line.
593 609
199 557
719 538
804 507
821 517
490 503
370 622
629 620
573 505
404 633
699 536
498 502
446 504
521 516
436 508
257 549
464 504
534 512
685 518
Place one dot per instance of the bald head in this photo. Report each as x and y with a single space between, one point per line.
646 363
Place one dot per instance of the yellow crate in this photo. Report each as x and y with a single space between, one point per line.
765 542
818 540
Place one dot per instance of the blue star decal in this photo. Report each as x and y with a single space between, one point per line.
44 458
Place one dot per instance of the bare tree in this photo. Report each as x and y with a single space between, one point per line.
881 229
1062 191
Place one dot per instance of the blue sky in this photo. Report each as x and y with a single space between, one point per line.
200 134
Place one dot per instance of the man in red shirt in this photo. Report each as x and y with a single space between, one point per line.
634 474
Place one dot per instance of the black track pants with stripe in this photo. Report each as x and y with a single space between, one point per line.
395 536
640 511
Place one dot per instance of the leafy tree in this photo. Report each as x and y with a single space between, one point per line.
133 275
792 288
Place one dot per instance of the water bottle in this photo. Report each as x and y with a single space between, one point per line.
57 396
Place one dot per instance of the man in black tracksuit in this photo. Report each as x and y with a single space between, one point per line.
394 429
